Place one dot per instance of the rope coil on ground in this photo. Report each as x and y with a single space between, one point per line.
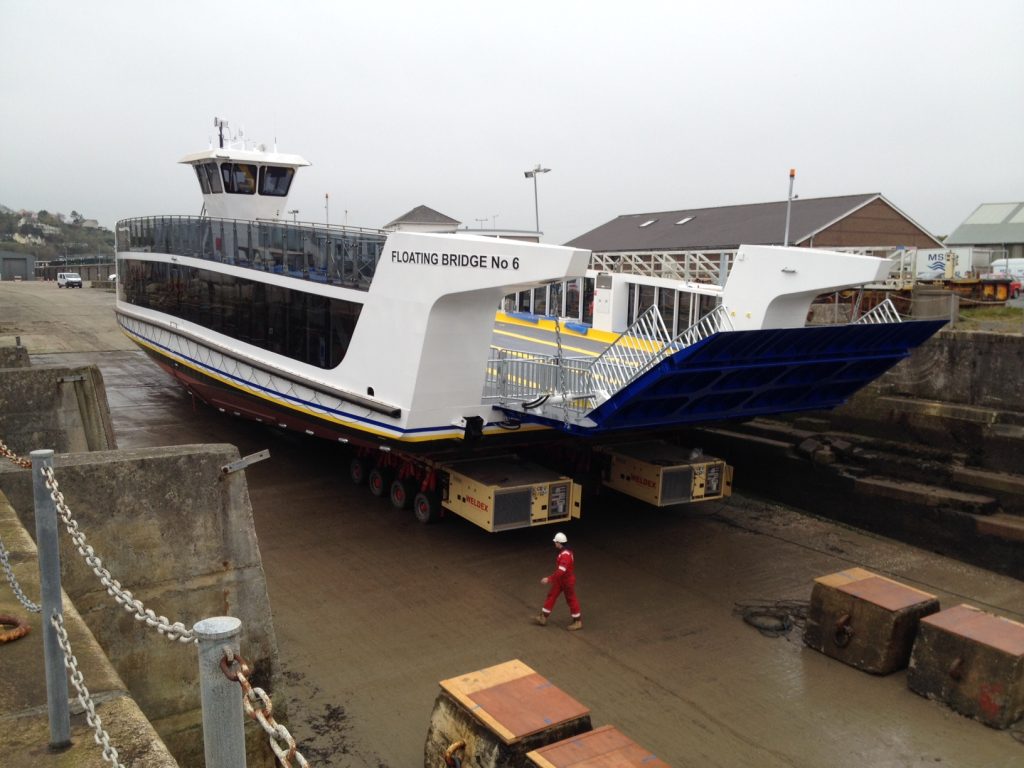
20 628
773 618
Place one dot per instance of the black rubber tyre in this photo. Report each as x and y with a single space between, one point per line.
427 507
379 481
357 470
402 493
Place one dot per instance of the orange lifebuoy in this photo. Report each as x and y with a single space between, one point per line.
21 628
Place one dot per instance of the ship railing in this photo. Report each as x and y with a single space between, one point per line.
693 266
578 384
343 256
884 312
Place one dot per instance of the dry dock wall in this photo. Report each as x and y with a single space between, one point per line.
178 533
63 408
24 725
960 391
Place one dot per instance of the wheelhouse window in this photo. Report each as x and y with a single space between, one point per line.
274 181
239 178
213 177
204 183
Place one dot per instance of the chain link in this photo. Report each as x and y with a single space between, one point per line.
7 453
77 680
13 581
176 631
258 706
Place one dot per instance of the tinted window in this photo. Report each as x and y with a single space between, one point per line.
213 177
303 326
239 178
275 181
204 183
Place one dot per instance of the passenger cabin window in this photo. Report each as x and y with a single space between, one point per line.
275 181
239 178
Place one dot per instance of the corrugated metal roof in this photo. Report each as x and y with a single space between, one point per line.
991 224
421 214
720 228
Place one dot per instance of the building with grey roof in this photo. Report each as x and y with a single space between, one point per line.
866 221
995 226
423 219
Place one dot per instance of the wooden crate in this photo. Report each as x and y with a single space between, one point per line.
865 620
501 713
604 747
973 661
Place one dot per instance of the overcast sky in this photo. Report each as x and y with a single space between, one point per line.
636 106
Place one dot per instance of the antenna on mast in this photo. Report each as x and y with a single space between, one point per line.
220 125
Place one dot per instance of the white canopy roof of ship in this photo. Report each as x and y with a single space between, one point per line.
246 156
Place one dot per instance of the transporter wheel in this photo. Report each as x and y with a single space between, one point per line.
402 493
427 507
357 470
379 481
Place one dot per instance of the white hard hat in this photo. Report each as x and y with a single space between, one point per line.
560 538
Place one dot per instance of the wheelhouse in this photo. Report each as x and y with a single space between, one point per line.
243 183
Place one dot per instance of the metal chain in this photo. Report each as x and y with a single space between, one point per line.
13 581
77 680
258 706
7 453
176 631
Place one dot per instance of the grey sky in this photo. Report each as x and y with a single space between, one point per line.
635 106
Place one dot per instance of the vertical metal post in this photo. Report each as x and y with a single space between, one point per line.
49 584
223 718
789 204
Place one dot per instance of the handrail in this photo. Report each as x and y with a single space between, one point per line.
338 255
884 312
577 384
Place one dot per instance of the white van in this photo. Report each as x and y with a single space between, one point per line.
69 280
1012 267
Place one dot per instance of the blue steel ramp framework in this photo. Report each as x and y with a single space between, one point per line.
735 375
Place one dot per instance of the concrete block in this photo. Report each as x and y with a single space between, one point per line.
973 661
865 620
604 747
499 714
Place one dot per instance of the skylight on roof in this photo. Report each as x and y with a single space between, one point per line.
683 221
648 223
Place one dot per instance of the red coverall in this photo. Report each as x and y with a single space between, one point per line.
563 580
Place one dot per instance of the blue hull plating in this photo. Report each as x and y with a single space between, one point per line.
741 374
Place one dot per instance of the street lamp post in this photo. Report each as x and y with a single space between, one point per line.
533 175
294 212
789 204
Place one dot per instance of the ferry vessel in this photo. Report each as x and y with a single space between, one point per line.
384 339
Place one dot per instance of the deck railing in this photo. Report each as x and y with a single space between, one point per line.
345 256
579 384
881 313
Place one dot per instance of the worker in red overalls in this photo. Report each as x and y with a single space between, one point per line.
562 580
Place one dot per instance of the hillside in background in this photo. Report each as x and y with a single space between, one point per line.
54 236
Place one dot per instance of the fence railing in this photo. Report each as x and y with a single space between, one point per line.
344 256
225 692
579 384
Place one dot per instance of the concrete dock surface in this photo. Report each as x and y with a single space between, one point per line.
372 609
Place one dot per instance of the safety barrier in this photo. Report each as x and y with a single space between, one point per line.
226 694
